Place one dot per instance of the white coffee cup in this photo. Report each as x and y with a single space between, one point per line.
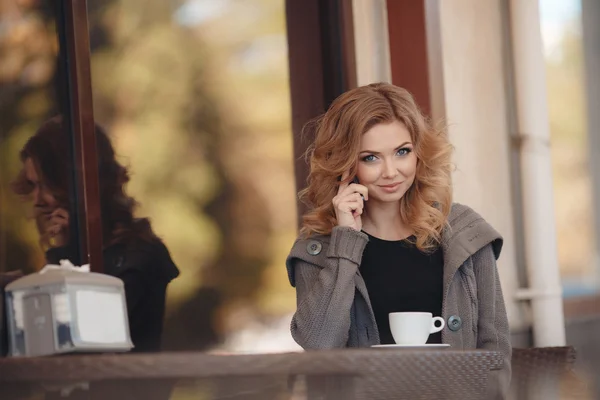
414 327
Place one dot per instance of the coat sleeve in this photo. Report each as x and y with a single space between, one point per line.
325 289
493 330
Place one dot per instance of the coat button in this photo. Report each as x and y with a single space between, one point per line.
314 247
454 323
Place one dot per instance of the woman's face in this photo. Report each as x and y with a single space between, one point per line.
387 163
44 201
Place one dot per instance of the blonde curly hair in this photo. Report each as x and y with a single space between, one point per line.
425 206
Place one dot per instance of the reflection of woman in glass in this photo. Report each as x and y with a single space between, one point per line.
132 252
382 235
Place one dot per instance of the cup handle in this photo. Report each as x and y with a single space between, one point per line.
434 328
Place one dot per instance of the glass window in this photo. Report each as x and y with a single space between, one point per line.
194 97
563 43
36 171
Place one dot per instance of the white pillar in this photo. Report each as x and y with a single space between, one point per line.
536 175
467 67
371 41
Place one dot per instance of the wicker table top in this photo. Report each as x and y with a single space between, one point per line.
203 365
380 373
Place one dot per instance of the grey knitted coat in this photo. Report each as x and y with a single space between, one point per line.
333 307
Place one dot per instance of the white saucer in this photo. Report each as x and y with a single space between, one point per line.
414 346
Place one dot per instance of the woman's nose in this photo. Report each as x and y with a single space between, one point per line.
390 169
38 199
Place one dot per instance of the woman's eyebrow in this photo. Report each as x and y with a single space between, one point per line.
376 152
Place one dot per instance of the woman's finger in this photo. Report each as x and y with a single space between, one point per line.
350 206
354 196
60 212
59 221
355 188
54 230
344 185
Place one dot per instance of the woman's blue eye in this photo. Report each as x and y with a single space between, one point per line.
369 158
404 151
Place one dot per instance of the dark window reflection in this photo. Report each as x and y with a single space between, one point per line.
131 251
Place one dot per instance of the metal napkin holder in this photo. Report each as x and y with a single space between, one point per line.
66 309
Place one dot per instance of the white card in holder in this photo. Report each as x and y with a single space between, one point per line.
100 317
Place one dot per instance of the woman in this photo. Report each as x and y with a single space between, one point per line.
132 252
382 235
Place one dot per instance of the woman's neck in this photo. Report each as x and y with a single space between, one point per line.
383 221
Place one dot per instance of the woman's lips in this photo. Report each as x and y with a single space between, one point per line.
44 211
391 187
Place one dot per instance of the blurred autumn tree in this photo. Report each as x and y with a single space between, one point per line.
196 99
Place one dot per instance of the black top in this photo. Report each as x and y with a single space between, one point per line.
401 278
146 269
